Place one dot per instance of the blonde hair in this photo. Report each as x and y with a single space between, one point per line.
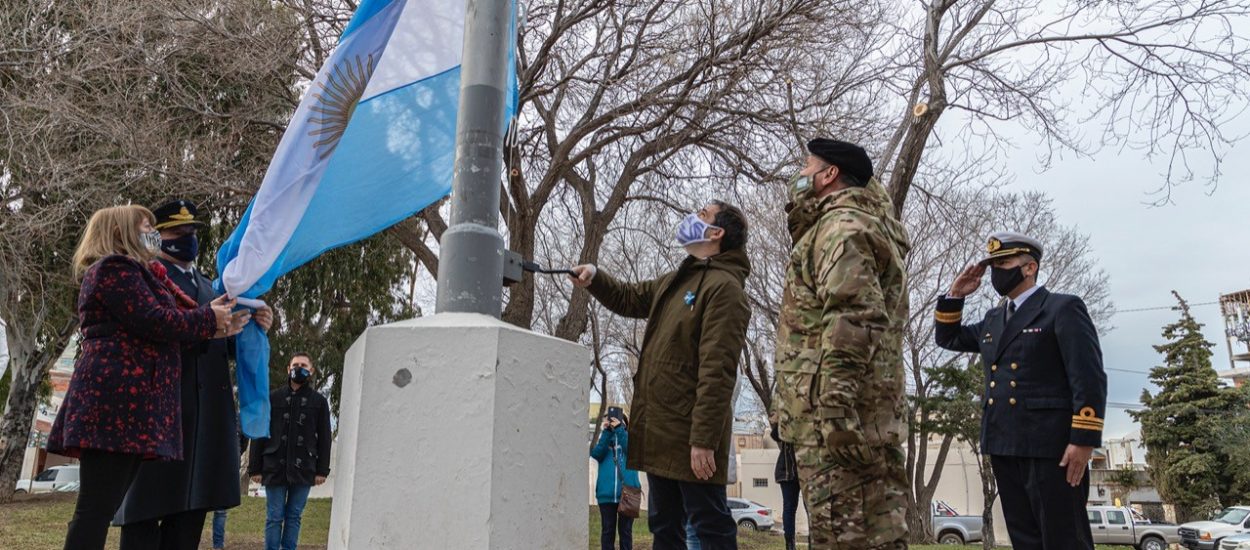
113 230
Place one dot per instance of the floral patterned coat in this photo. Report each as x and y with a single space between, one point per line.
125 396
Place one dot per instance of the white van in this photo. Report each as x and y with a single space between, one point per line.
49 480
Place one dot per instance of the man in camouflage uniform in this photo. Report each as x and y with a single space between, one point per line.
839 351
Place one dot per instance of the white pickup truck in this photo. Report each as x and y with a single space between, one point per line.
1206 535
951 528
1114 525
49 480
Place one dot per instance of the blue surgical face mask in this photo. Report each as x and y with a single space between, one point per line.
693 230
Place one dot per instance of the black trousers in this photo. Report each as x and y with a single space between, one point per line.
104 478
671 503
1042 511
175 532
612 522
789 506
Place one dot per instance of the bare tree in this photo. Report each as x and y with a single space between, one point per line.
108 102
632 106
1160 76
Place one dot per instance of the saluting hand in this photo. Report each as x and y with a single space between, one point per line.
967 282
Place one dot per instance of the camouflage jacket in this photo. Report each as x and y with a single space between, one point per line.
839 344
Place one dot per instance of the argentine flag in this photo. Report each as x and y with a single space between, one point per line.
372 143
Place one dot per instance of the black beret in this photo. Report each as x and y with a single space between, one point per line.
848 157
175 213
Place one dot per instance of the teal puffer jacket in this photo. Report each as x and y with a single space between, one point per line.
611 449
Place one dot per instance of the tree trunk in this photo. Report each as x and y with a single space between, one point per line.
920 513
245 480
989 491
520 309
20 410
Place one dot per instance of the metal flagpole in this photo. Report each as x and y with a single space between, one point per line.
471 252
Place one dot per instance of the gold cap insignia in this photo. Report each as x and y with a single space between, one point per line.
183 216
994 245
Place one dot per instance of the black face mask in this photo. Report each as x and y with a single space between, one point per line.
184 248
300 375
1006 280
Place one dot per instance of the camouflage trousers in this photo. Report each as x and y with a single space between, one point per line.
854 508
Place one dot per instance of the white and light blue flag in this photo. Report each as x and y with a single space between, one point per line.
372 143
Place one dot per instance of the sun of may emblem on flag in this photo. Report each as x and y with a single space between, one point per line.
337 101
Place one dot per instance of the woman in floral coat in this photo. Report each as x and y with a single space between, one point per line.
123 405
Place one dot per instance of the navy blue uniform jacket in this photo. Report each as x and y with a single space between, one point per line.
1045 387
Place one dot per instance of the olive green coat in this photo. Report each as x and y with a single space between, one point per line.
684 387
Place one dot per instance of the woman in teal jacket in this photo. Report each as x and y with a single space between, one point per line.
613 474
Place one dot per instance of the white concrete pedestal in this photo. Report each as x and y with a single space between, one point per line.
461 431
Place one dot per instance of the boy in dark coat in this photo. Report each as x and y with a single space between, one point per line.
296 455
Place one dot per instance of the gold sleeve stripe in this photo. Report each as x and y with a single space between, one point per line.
948 316
1087 419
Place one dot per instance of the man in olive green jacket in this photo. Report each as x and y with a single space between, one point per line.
683 411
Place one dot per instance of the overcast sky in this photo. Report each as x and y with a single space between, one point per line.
1197 246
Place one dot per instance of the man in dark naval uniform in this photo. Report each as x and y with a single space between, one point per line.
1045 393
168 501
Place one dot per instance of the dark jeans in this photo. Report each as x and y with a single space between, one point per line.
104 478
285 510
789 506
613 522
672 503
1041 510
219 529
176 532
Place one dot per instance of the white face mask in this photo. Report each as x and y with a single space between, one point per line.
693 230
151 240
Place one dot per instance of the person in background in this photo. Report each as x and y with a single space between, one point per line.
696 318
169 501
787 476
614 475
122 406
295 456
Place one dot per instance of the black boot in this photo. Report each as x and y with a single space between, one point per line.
790 543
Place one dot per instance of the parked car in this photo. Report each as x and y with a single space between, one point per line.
71 487
751 515
49 480
1236 542
1206 535
951 528
1115 525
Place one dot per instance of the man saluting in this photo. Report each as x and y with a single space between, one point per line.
1045 393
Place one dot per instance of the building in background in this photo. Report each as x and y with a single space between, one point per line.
37 458
1235 308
